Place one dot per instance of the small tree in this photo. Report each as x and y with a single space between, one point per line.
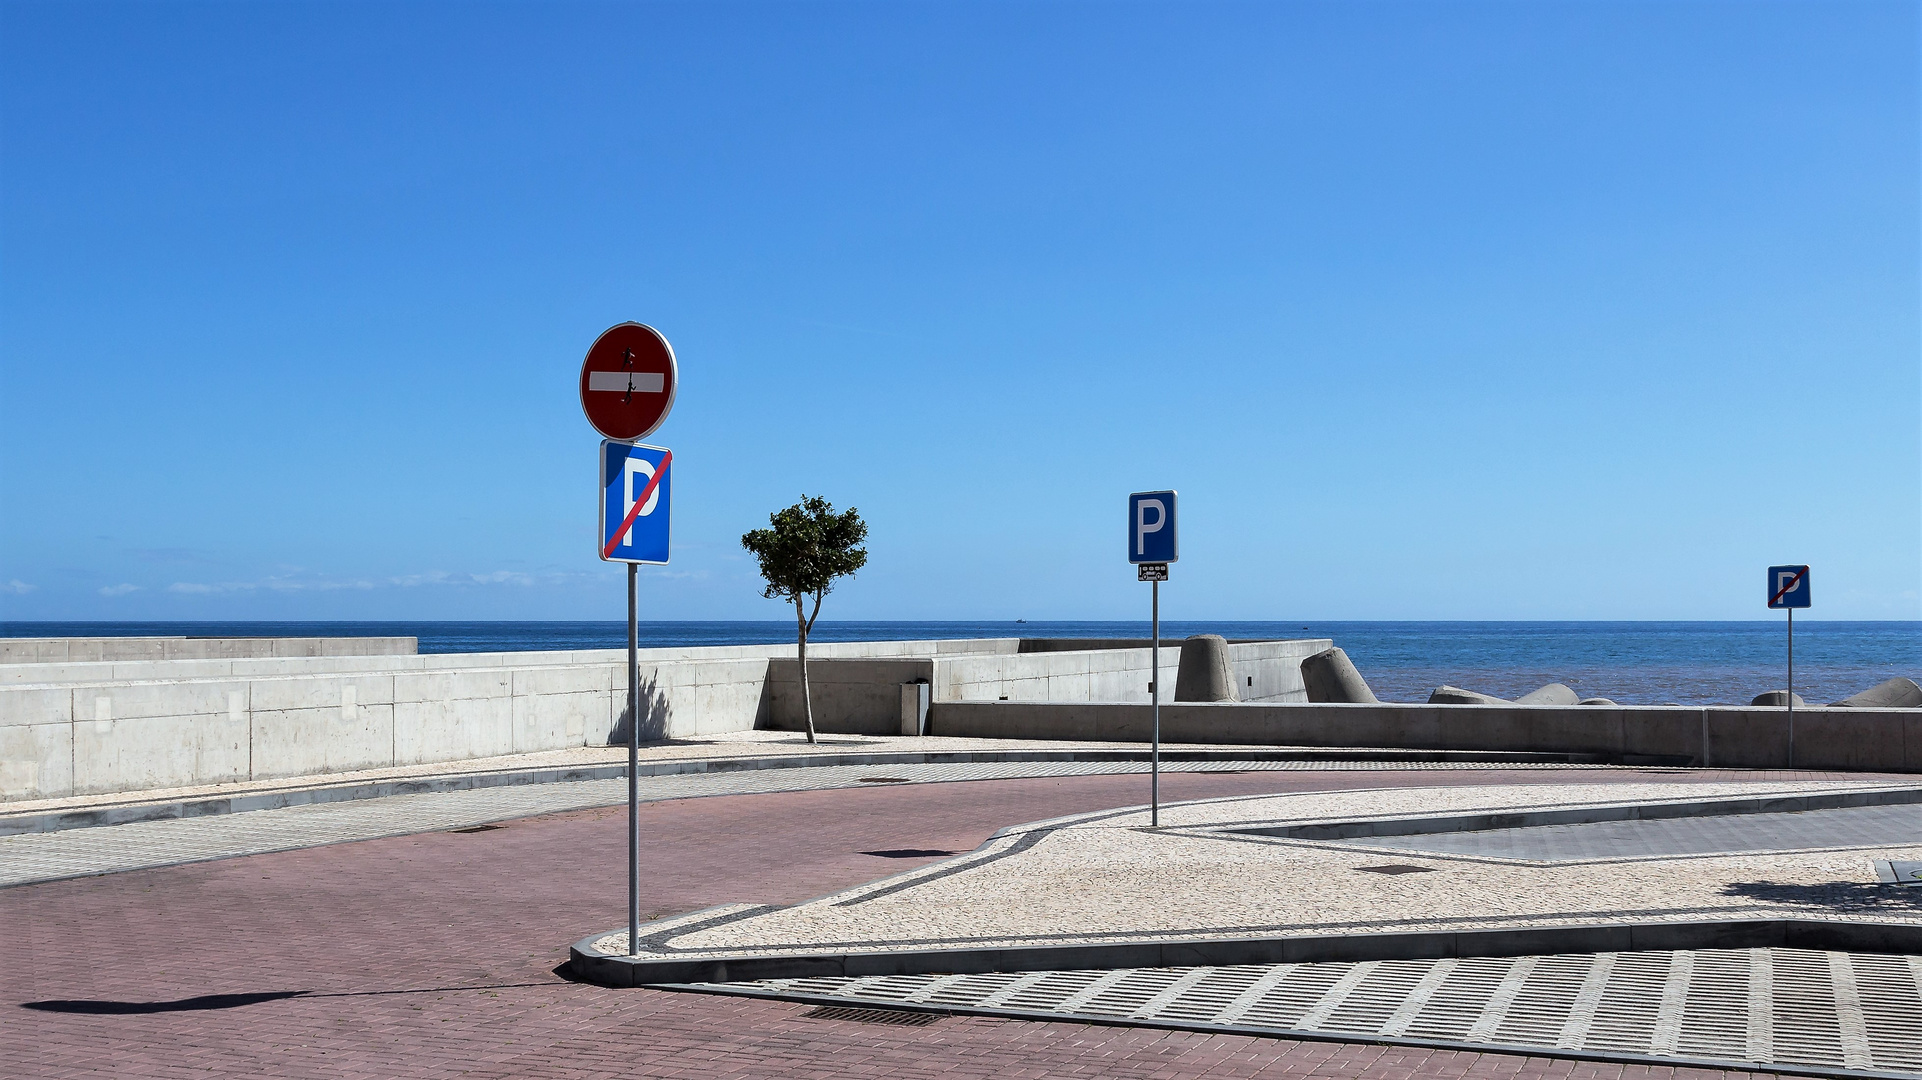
807 547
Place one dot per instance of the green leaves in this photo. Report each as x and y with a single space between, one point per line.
806 547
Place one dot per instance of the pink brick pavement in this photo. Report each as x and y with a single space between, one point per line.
434 955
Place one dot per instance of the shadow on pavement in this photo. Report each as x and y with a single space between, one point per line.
192 1004
235 1001
1849 895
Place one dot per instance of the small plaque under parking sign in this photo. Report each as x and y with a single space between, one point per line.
1152 571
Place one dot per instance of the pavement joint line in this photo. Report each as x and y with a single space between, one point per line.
310 790
1784 1068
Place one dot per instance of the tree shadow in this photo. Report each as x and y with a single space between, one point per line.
98 1007
653 715
1834 895
192 1004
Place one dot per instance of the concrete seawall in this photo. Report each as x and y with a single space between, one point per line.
862 696
72 727
1865 739
45 650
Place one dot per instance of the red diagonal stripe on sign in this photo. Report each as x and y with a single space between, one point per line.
633 512
1789 588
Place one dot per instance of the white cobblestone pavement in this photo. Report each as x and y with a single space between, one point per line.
1106 877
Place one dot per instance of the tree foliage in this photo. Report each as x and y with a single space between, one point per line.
805 548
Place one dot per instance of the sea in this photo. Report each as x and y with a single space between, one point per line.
1634 663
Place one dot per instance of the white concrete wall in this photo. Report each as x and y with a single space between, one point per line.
127 670
140 725
56 650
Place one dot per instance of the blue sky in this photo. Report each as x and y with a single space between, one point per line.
1458 311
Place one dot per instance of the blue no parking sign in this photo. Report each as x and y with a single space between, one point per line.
1788 586
634 502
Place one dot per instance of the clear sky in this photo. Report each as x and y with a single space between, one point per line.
1463 310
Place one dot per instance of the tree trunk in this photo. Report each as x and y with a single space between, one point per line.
807 701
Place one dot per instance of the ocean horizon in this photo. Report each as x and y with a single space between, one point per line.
1634 663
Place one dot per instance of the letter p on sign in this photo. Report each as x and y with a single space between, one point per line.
1151 527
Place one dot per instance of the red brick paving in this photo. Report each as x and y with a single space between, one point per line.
433 955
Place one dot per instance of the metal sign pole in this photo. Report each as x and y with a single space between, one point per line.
1154 692
633 766
1791 688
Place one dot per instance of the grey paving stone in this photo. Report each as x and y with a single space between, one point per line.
1899 825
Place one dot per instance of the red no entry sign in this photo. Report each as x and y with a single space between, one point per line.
628 382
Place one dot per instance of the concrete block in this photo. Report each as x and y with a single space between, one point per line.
429 729
1596 701
1779 699
36 761
1455 695
281 694
33 650
1746 738
1553 694
154 699
1848 739
1202 673
1655 731
329 723
557 721
35 705
179 750
309 741
1329 676
1896 693
1522 728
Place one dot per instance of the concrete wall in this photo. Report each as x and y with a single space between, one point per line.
858 697
1867 739
44 650
113 726
76 671
862 696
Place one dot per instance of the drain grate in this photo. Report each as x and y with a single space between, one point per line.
478 828
1396 868
895 1017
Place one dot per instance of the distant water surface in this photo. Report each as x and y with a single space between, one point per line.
1690 663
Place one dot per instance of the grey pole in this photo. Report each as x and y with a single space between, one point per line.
1791 688
633 766
1154 692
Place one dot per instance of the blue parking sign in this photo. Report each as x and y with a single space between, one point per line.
634 502
1788 586
1151 527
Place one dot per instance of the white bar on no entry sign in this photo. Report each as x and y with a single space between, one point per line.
640 382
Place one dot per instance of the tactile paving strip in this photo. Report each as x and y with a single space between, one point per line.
1785 1007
